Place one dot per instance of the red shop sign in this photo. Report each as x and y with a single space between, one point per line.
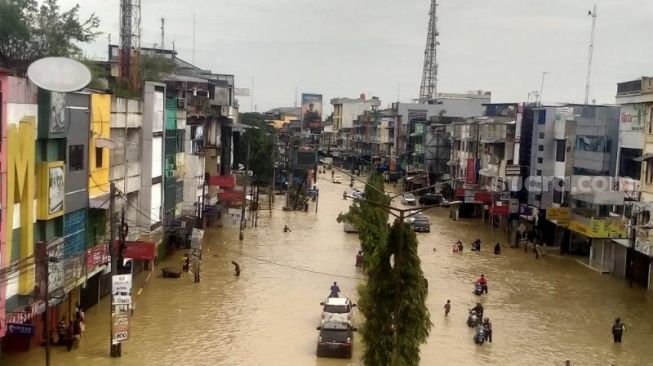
97 256
143 250
484 197
500 210
222 180
231 196
471 172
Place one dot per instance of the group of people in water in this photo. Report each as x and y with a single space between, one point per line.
476 247
70 334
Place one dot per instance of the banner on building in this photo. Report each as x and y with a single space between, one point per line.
97 256
73 271
471 172
20 330
312 112
121 289
560 214
632 117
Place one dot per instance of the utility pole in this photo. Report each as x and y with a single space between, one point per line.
46 264
593 13
242 211
115 349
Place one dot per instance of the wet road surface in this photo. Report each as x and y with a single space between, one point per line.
543 311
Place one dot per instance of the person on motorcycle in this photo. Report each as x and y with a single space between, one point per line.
476 245
286 229
483 281
479 310
479 336
487 327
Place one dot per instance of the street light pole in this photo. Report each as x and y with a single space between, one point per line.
241 236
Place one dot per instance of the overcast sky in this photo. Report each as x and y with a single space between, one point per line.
345 47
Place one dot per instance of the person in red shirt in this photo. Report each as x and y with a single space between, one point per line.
483 281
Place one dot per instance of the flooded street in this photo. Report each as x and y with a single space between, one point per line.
543 311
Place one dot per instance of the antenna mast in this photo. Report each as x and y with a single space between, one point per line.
163 38
130 42
593 13
428 89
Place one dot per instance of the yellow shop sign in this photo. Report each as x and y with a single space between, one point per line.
600 228
558 214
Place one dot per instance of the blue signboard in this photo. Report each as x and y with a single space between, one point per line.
23 330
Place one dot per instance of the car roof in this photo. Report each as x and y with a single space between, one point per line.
337 301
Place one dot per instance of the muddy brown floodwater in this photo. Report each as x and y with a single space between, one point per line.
543 311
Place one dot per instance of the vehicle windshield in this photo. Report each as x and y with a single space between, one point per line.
409 195
336 309
333 335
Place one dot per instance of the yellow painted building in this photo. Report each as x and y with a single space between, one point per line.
98 184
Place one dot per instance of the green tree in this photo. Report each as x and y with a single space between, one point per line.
261 142
392 300
29 31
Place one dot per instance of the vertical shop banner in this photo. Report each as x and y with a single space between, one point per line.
121 289
120 326
471 171
312 113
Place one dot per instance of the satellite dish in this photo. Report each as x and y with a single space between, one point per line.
59 74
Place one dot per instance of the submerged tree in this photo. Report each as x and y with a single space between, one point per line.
392 300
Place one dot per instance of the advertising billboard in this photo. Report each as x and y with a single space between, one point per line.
312 112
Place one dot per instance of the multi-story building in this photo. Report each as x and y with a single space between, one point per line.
572 168
52 166
635 99
411 120
346 112
636 147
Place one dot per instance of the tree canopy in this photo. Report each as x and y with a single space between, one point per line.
392 300
29 31
261 141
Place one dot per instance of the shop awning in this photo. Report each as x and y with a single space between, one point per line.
101 201
488 172
624 242
644 157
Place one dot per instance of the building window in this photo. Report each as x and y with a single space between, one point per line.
76 158
180 140
649 171
538 173
541 117
99 157
541 134
561 148
540 147
558 190
539 160
650 121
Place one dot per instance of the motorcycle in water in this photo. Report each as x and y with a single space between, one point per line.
472 319
479 336
478 289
